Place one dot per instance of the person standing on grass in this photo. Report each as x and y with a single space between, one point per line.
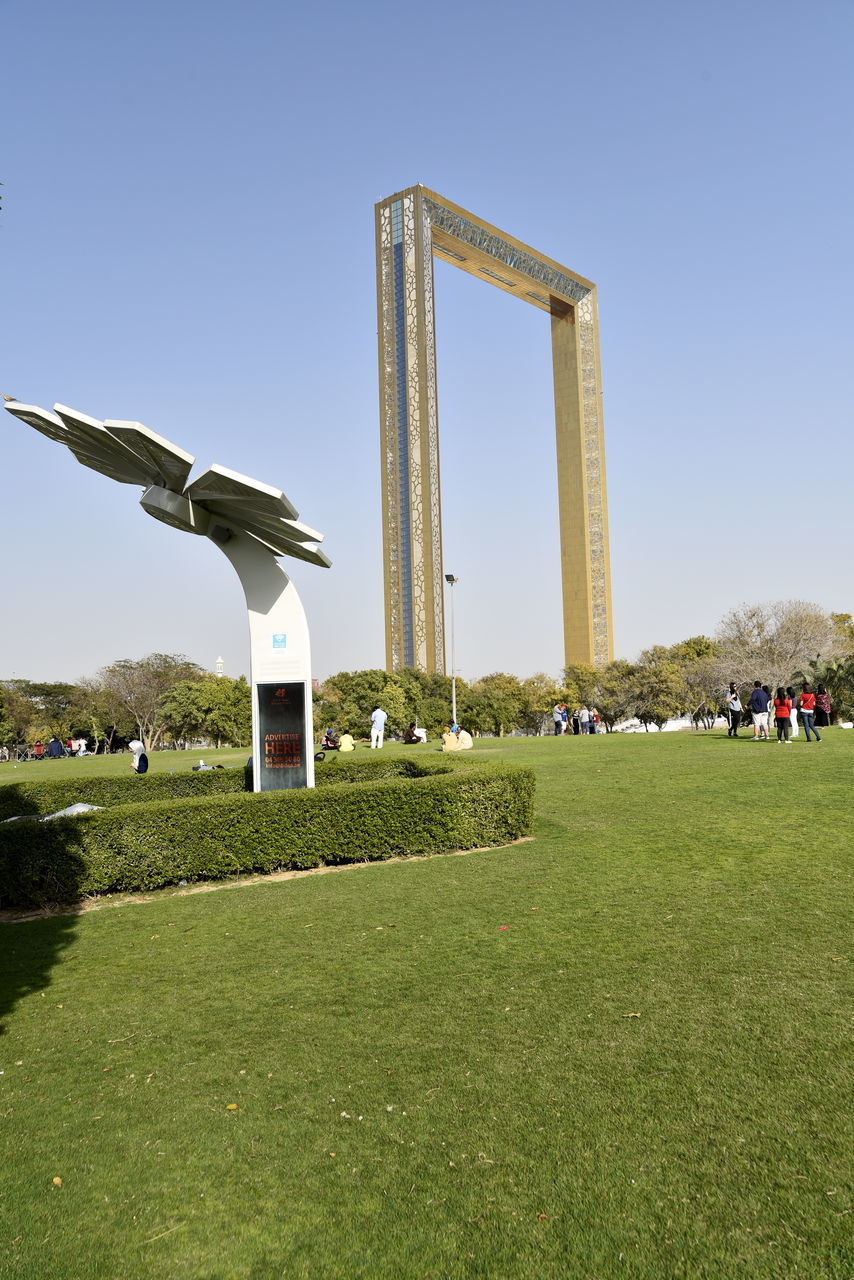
584 720
822 706
378 719
793 719
759 703
806 706
782 716
557 716
733 702
139 763
564 718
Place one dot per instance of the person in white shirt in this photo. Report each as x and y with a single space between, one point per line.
584 719
378 719
734 709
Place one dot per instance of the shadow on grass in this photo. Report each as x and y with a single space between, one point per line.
33 936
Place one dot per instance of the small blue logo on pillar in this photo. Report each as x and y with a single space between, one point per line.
280 641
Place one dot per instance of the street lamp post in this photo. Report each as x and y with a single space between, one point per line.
450 579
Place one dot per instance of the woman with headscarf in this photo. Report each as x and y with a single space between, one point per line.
139 763
822 706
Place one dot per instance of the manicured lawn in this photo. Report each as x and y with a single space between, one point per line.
118 765
617 1050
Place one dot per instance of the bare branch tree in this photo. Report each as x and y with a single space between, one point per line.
770 642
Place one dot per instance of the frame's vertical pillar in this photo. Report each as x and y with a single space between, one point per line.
598 546
581 487
412 539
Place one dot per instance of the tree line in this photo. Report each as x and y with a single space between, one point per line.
165 699
777 643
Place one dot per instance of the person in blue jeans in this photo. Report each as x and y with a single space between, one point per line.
806 706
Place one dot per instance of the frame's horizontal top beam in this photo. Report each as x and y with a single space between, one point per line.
497 273
490 254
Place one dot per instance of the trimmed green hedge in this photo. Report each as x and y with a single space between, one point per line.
49 796
374 765
22 798
150 845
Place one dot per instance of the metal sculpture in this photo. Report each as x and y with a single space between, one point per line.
252 524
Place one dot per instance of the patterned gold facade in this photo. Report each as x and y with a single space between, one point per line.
411 227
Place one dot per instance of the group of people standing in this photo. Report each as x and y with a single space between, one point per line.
785 706
584 720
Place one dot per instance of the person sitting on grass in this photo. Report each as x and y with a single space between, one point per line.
410 737
345 742
450 741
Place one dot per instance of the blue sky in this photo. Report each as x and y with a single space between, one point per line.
187 241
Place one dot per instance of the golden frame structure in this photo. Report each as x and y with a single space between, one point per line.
411 227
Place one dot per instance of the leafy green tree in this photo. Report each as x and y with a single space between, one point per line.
475 711
51 707
843 629
580 681
348 698
211 707
696 658
614 693
694 649
182 711
501 704
658 691
435 712
539 693
393 702
20 710
99 715
7 727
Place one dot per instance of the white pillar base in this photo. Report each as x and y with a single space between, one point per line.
280 660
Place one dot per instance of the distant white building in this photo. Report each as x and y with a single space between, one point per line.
220 667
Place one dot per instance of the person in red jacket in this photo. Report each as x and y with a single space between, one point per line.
806 706
782 716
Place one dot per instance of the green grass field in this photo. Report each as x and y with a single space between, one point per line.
617 1050
119 765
